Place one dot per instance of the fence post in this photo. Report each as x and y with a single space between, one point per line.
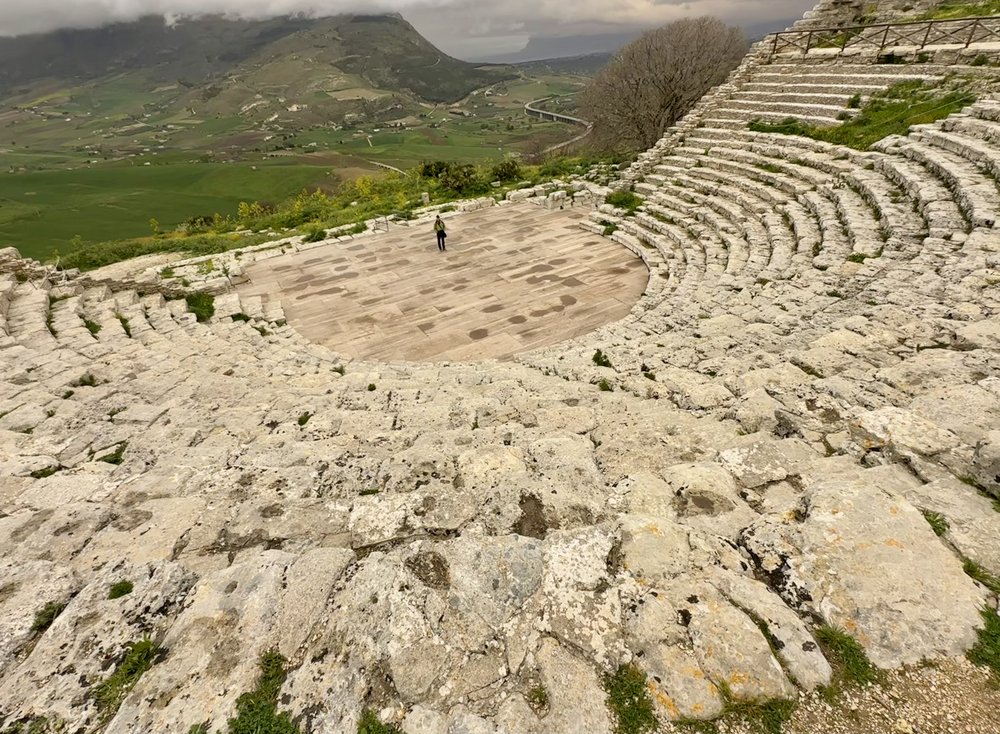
927 35
885 39
972 33
809 40
774 49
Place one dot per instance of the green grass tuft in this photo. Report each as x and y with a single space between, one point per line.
371 387
120 589
92 326
109 693
202 305
538 698
980 574
604 386
937 521
850 663
624 200
257 710
116 456
629 701
370 724
43 473
987 649
304 418
45 616
124 322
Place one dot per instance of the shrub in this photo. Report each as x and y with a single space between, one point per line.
507 170
315 235
85 380
601 359
202 305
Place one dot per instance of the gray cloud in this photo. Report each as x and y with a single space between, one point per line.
455 25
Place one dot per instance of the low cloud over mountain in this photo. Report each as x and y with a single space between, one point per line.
464 27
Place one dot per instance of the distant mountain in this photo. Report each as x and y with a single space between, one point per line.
383 50
549 48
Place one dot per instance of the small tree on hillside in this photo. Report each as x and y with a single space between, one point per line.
657 78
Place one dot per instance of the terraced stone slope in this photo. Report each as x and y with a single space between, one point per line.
812 372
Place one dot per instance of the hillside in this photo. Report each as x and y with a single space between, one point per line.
218 84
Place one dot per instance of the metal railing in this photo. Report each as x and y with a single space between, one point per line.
962 32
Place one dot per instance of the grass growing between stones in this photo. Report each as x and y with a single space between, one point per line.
116 456
601 359
45 616
891 112
937 521
980 574
257 710
624 200
986 651
945 11
92 326
202 305
850 663
120 589
629 701
370 724
109 693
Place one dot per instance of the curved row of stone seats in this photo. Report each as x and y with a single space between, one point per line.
815 93
835 166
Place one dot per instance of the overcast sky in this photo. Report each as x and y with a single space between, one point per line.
461 27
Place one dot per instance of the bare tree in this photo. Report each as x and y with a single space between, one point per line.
657 78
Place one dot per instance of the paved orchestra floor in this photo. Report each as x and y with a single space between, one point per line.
513 278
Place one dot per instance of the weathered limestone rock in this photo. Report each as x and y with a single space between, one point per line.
918 604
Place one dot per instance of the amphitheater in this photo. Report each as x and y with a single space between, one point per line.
808 372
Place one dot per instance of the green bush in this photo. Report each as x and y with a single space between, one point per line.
507 170
201 304
315 235
601 359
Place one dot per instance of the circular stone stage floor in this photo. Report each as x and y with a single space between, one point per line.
514 278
